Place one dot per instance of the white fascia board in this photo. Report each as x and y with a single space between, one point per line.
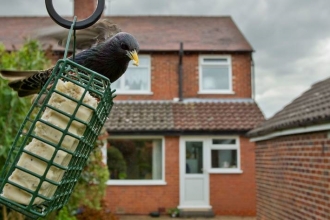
300 130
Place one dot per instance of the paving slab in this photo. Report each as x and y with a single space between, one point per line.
146 217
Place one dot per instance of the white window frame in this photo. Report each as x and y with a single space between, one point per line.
228 63
141 182
136 92
235 146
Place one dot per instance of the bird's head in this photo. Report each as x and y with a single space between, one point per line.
127 46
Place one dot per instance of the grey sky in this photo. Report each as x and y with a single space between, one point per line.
291 38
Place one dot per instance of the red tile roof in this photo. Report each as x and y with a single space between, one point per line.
311 108
155 33
183 117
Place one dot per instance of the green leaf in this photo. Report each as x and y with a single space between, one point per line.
13 109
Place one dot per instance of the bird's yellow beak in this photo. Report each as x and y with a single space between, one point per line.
133 56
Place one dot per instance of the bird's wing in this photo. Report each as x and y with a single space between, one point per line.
13 75
85 38
26 82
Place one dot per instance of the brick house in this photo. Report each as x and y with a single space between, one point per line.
292 158
177 132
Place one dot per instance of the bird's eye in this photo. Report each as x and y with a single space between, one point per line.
124 46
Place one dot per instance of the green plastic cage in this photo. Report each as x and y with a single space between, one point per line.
46 182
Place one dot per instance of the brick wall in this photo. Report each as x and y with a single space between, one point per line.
164 77
293 180
84 8
230 194
235 194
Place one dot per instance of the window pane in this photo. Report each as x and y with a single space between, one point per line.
135 159
215 78
136 79
143 61
194 157
116 84
224 141
224 158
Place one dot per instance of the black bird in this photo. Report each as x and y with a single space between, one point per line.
109 54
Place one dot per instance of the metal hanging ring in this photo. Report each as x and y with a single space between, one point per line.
80 24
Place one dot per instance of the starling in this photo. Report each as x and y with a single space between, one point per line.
109 53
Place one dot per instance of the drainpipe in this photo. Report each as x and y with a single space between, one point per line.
252 79
180 72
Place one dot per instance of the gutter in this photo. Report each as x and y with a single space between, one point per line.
293 131
176 132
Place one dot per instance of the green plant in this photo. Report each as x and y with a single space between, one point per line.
91 186
12 114
64 214
173 212
14 109
102 214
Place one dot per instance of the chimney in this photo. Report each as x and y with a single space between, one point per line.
84 8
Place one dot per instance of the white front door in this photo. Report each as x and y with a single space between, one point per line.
194 178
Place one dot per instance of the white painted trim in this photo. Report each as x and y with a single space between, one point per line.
292 131
194 207
225 171
135 182
216 92
132 92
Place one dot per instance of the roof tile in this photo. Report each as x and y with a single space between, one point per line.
312 107
154 33
128 116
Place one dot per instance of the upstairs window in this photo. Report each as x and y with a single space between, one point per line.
215 75
136 79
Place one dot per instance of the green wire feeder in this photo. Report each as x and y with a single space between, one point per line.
48 186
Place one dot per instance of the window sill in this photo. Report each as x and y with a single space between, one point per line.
225 171
133 93
216 92
135 182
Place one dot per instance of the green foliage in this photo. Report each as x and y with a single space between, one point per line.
29 57
13 109
91 186
64 214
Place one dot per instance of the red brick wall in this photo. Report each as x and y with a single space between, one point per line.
235 194
293 177
84 8
230 194
164 77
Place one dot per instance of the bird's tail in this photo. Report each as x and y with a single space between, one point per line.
26 82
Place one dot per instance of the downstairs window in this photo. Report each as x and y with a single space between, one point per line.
135 161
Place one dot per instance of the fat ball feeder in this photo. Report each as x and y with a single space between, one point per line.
54 141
